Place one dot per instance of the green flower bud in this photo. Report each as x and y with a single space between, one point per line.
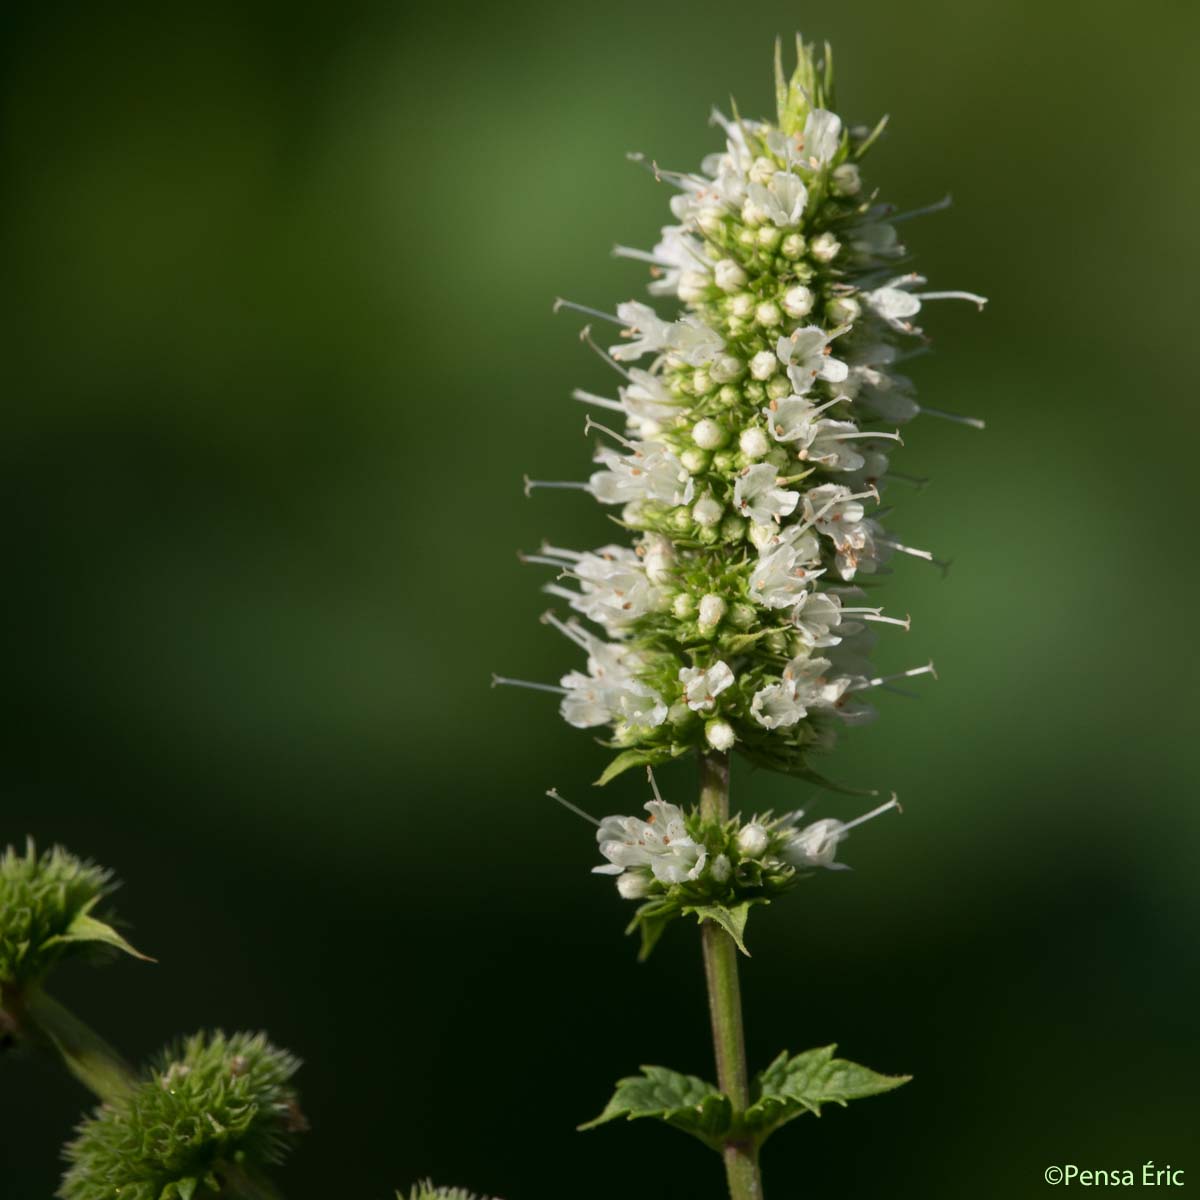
213 1113
46 905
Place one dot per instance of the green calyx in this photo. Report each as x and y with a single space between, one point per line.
210 1115
790 1087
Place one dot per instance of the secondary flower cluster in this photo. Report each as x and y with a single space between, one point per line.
748 452
696 862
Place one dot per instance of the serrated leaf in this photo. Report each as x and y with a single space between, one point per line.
684 1101
731 919
792 1086
86 928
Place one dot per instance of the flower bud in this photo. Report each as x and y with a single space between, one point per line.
798 301
846 180
695 460
707 512
761 536
711 220
764 364
720 869
725 368
683 605
753 840
843 310
769 237
793 246
753 442
825 247
779 387
742 616
634 885
720 735
729 275
701 381
768 314
659 560
712 609
709 434
742 305
733 527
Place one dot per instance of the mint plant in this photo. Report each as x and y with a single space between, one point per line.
744 454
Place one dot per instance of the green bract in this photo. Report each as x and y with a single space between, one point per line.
213 1111
46 902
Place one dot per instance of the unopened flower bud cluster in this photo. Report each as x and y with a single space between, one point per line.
745 451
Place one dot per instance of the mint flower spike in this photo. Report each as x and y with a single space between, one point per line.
759 423
46 904
211 1114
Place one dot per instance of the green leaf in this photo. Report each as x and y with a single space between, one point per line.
732 919
86 928
793 1086
684 1101
624 761
651 920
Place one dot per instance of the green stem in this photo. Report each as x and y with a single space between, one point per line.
84 1053
725 1002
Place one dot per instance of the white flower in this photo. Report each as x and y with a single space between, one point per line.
688 338
781 201
780 577
822 136
758 496
614 587
644 321
805 685
646 398
661 845
895 305
816 844
701 686
816 615
645 473
609 693
807 355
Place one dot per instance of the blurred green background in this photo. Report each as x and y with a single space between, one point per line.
277 348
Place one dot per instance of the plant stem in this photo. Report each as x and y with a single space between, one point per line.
725 1002
84 1053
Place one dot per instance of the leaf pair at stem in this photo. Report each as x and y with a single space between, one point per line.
790 1087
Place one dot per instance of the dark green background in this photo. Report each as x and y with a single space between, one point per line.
277 347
